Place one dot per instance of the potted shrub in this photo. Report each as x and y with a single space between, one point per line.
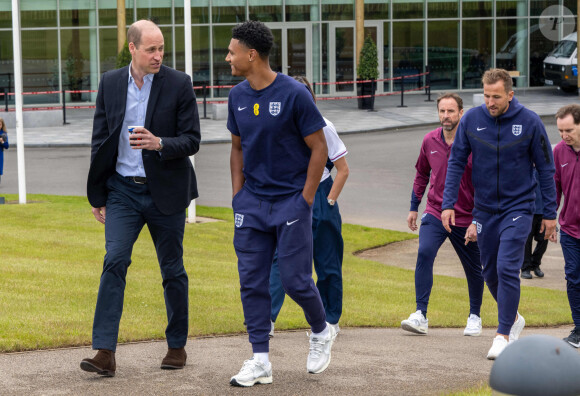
368 69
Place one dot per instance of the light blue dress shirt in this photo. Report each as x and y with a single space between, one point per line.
130 161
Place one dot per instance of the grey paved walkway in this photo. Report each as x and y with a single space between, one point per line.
343 113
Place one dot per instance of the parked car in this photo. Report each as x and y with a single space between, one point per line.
561 65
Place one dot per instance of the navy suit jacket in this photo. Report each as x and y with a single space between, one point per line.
171 115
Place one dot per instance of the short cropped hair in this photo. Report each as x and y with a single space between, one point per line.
571 109
254 35
135 31
492 76
450 95
305 81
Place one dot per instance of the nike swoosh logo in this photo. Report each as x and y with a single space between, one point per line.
480 129
515 218
564 164
433 152
291 222
242 108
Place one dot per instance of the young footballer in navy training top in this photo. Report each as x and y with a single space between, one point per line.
277 159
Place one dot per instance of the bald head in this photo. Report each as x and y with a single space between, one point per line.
136 31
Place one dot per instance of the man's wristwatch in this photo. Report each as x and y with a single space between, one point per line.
160 145
331 201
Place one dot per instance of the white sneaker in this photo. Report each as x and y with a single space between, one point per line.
517 328
336 328
272 329
499 344
252 372
473 327
416 323
319 355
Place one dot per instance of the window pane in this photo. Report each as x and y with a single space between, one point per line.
108 12
405 9
168 45
159 11
442 54
6 64
199 12
79 71
572 5
77 12
511 8
38 13
407 53
276 51
108 49
386 56
222 73
538 6
324 43
271 12
512 44
40 65
476 54
5 15
344 58
476 8
442 9
376 9
336 10
302 10
228 11
540 46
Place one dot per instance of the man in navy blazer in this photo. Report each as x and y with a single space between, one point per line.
145 127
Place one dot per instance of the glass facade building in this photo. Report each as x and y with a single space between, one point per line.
68 44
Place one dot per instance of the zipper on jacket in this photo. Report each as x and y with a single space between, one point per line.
498 130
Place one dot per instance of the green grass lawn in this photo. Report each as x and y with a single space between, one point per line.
51 254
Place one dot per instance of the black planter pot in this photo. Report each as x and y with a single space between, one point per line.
367 88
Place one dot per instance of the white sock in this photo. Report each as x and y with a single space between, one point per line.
263 357
323 333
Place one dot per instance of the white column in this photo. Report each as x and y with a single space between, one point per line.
189 70
18 100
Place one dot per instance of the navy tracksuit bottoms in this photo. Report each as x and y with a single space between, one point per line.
431 237
260 227
502 239
328 253
571 250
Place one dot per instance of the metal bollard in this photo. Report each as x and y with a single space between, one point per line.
204 102
402 91
5 99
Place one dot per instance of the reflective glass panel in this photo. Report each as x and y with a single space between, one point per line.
266 11
512 46
511 8
108 12
6 64
476 8
5 15
344 58
222 73
442 54
405 9
376 9
302 10
40 70
476 54
296 52
325 58
199 11
538 6
108 49
386 56
276 51
77 12
408 56
225 11
38 13
442 9
337 10
159 11
168 45
540 46
572 5
79 71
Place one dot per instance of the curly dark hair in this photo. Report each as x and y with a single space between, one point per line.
254 35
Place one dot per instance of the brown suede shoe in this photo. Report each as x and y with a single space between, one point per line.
175 359
103 363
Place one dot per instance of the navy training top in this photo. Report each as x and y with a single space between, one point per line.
272 124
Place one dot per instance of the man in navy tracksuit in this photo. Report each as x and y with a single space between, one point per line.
506 140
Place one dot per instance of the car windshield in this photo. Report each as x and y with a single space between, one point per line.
564 49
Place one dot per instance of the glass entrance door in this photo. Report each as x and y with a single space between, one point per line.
292 50
342 57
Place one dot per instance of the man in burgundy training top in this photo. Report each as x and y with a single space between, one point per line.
432 168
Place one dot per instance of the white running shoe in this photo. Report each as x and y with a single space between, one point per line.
473 327
319 355
499 344
336 328
271 329
517 328
416 323
252 372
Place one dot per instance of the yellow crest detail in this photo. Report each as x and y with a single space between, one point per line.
256 109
